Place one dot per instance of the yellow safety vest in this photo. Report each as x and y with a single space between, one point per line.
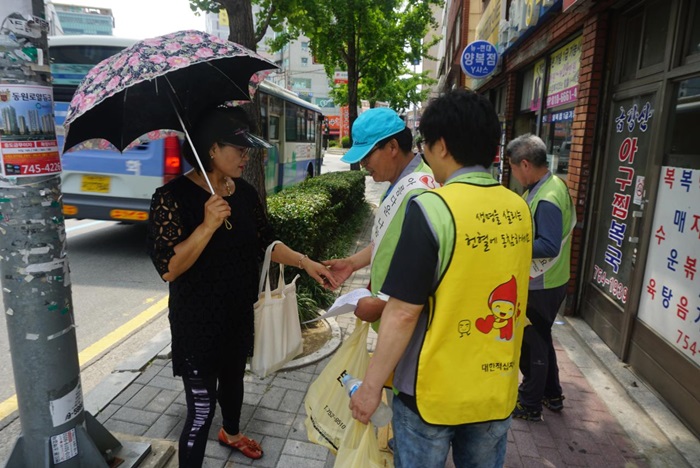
467 369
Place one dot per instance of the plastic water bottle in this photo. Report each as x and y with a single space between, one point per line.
382 415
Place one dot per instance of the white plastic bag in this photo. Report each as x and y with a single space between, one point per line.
277 329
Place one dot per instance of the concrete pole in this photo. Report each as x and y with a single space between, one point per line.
56 431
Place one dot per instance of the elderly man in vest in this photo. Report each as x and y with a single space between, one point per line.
382 145
554 218
457 283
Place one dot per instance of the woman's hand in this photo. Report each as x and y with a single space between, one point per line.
320 273
342 268
216 211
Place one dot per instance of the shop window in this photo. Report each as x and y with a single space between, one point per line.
644 39
655 33
556 133
694 28
684 150
526 94
630 51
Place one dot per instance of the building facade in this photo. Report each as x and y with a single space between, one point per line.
76 19
613 88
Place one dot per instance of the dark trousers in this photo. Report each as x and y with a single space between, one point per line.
201 394
538 360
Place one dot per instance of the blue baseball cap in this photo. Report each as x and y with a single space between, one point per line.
369 128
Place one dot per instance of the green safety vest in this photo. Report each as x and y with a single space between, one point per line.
554 190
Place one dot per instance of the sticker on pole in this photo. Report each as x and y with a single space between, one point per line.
28 145
64 446
479 59
67 407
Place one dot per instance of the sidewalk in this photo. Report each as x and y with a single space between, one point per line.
602 424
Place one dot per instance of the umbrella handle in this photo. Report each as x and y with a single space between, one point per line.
187 137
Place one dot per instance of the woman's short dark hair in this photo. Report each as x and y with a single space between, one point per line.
211 128
467 122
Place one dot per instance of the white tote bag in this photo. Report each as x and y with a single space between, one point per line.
277 329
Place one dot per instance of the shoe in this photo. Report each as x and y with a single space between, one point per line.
555 404
527 414
246 446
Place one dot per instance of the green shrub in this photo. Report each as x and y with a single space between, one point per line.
319 217
332 143
345 142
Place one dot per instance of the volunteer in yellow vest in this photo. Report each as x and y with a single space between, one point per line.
382 145
554 218
457 285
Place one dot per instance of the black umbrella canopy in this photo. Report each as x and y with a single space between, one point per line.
181 78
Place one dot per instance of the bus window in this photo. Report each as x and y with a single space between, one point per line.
301 125
290 124
274 127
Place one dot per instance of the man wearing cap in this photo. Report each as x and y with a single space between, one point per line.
382 144
452 328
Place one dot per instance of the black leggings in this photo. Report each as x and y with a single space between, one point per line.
201 394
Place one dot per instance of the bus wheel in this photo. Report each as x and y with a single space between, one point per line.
309 171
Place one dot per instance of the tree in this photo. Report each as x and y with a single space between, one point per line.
371 39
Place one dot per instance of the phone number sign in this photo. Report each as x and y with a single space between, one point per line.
479 59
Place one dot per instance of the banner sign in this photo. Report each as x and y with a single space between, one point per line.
563 74
28 145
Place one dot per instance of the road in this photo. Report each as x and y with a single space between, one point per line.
114 288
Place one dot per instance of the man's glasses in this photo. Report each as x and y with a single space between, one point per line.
365 160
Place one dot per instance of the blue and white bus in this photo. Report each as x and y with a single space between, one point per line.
99 183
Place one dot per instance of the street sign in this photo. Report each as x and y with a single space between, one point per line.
479 59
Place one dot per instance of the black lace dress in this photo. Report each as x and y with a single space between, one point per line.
211 304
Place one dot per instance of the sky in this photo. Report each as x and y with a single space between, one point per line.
139 19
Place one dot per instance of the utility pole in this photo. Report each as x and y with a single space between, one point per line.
35 277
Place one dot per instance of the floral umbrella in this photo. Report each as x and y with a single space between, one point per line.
157 84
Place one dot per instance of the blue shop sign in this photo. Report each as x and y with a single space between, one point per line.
479 59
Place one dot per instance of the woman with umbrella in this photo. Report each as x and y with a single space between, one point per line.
207 246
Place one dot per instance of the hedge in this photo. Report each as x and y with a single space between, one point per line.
314 218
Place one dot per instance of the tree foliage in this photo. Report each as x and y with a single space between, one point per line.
370 39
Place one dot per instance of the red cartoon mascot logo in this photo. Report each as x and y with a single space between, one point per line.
504 308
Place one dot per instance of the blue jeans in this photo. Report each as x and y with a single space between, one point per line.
421 445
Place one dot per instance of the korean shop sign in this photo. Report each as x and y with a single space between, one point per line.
670 301
479 59
563 74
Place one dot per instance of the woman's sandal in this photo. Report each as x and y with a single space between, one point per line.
246 446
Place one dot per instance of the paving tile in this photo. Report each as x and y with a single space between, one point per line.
127 394
292 401
550 457
107 412
264 414
570 454
252 399
168 383
525 443
305 449
124 427
148 373
132 415
162 427
298 430
290 384
268 428
273 398
290 461
162 401
143 397
296 375
541 436
177 409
